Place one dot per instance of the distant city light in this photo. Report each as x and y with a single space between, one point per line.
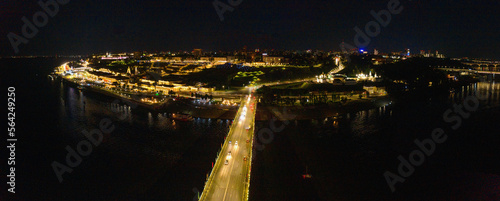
113 58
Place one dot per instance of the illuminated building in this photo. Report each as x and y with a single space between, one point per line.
273 60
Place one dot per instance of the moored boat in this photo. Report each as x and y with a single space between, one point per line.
182 117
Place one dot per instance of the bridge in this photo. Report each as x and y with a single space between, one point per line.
230 176
476 71
482 64
475 66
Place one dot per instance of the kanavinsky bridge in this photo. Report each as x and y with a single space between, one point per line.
475 66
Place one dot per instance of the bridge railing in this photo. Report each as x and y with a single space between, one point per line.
209 181
246 194
473 69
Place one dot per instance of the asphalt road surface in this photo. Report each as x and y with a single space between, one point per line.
230 181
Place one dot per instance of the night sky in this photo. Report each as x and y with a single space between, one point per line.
455 28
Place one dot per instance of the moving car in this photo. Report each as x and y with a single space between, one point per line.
227 162
236 143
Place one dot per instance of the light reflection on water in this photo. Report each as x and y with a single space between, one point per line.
368 122
81 110
489 90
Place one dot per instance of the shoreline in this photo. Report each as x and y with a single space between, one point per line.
109 94
170 106
287 113
263 113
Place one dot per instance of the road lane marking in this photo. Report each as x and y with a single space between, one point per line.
239 134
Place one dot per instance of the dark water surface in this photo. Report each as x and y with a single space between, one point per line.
147 156
348 155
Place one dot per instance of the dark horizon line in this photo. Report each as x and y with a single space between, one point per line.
237 50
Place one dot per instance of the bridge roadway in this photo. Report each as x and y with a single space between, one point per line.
231 181
470 70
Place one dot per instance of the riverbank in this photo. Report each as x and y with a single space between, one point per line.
264 112
282 113
206 112
151 106
172 105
